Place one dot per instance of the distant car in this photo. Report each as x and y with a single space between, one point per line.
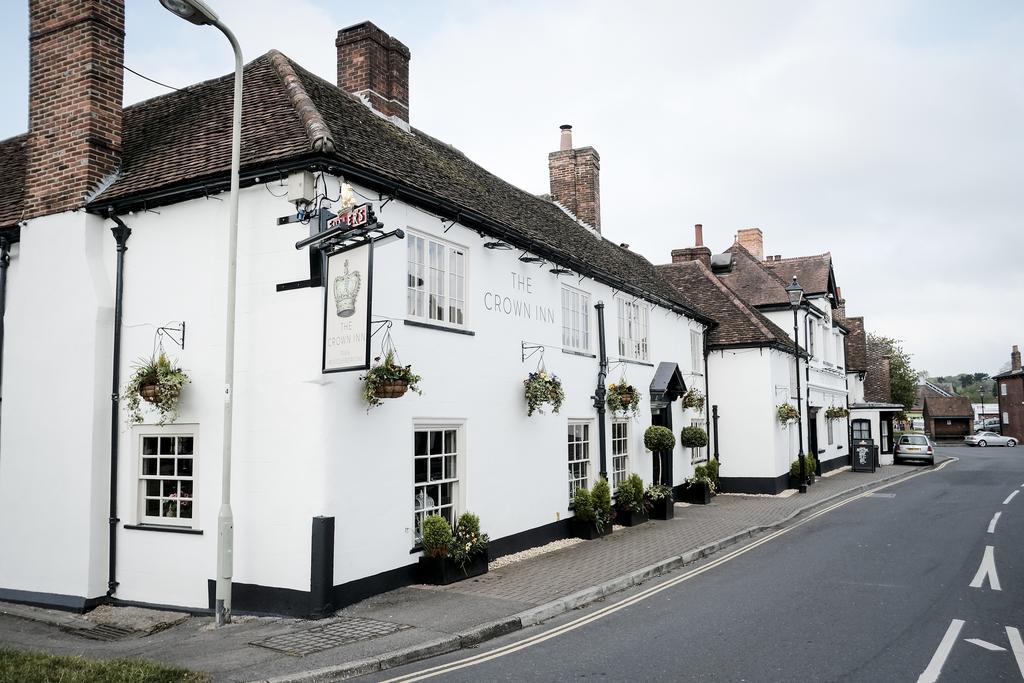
991 424
989 439
914 447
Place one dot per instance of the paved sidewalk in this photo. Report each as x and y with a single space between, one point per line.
419 621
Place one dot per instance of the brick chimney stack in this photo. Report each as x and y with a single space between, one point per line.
575 179
752 240
375 66
695 253
840 302
76 84
1015 359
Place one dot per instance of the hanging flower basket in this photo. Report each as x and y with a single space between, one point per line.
158 381
836 413
693 399
388 380
787 413
623 398
540 388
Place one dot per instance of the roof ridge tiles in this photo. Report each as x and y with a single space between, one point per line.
320 137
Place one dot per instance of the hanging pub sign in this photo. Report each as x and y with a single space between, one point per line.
356 217
347 309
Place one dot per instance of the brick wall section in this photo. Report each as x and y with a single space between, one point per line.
1013 405
877 383
576 184
76 84
374 65
702 254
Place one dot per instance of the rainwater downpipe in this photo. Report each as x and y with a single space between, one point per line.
599 394
5 261
121 234
707 392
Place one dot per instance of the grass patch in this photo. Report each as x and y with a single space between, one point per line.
39 667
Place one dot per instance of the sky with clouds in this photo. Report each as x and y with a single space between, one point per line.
890 133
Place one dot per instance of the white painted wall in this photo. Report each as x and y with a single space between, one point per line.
304 444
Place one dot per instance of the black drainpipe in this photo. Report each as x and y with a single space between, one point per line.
707 392
5 261
599 395
121 234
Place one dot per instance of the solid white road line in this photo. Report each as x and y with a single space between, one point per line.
1010 497
992 524
1017 645
931 674
992 647
987 568
556 631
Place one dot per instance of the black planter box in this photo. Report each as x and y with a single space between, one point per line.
698 493
810 477
440 571
630 518
663 509
794 481
588 530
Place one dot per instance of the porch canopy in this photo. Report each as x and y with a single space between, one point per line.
667 385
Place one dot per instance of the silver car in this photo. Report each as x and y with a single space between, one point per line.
914 447
989 439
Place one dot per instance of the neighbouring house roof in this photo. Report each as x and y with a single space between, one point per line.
948 407
926 389
752 281
877 383
814 273
12 179
182 140
739 324
856 344
1009 374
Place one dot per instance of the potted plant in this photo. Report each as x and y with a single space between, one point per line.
836 413
388 380
658 438
593 511
542 387
693 399
662 505
449 557
787 414
712 468
623 398
630 503
158 381
810 465
699 487
693 437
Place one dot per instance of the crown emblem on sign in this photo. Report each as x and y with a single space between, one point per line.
346 289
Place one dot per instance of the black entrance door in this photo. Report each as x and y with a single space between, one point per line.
812 435
662 460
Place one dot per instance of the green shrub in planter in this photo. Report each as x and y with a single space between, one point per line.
467 541
701 476
602 497
437 536
583 505
812 464
712 468
630 495
658 438
693 437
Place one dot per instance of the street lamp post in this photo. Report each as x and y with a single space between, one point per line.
200 14
796 295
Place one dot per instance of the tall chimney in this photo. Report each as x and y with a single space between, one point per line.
76 84
752 240
375 66
575 179
840 302
698 252
1015 359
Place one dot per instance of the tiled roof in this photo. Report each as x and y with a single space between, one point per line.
752 281
1008 374
926 389
812 272
948 406
289 114
738 323
12 179
856 345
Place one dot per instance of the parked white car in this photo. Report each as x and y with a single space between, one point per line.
914 447
989 439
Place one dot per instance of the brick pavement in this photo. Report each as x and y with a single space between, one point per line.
547 577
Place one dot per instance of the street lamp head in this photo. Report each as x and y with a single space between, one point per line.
195 11
795 291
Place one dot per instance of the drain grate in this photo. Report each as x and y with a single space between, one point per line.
345 630
104 632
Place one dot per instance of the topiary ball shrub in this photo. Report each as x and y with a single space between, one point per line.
658 438
437 536
693 437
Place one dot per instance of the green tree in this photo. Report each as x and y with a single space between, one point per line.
902 376
965 381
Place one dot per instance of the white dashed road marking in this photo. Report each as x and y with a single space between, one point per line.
1017 646
1010 497
992 524
985 644
931 674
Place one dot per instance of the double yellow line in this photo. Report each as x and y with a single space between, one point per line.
634 599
